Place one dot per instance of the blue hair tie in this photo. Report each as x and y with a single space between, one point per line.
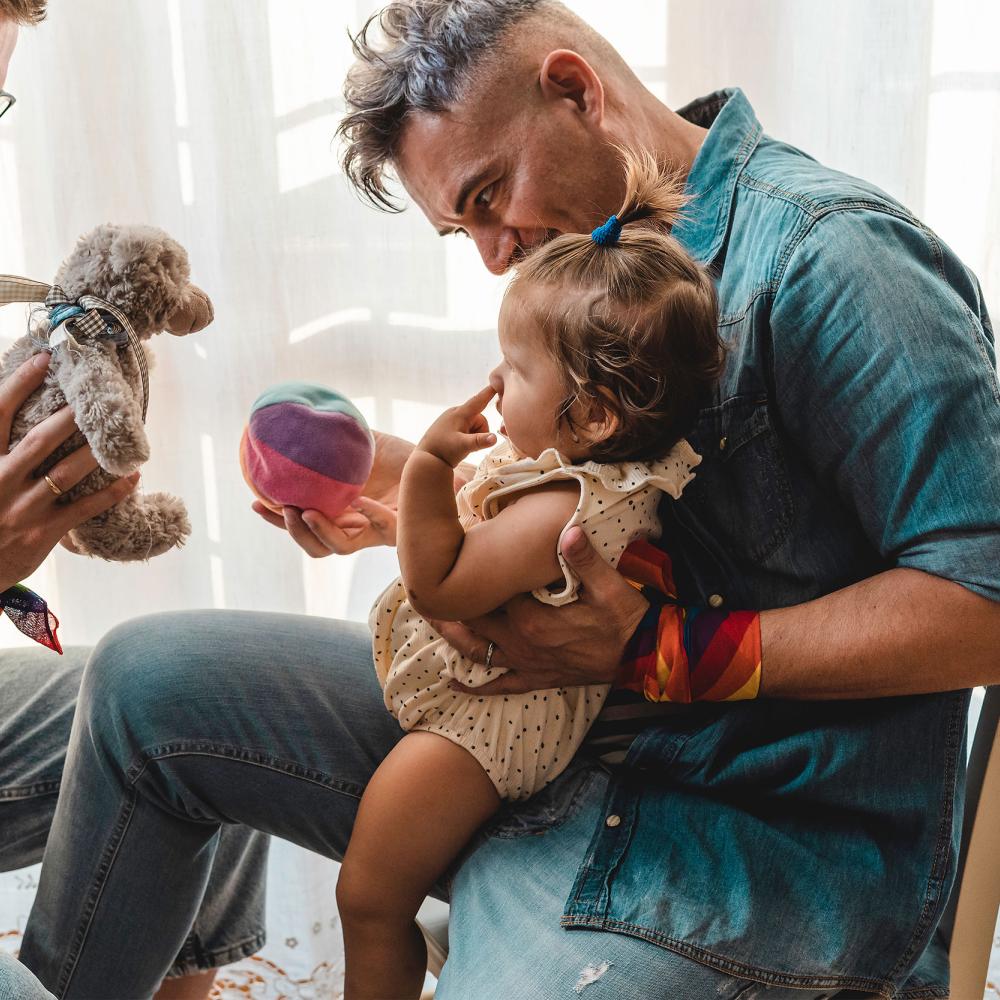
607 235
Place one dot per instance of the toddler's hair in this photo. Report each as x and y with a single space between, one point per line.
633 322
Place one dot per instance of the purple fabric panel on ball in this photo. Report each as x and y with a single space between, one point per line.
283 482
333 444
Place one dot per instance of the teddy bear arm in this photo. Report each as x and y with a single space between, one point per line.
105 407
139 527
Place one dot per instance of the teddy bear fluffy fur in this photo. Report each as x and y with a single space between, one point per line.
144 273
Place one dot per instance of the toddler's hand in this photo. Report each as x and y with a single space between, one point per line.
460 430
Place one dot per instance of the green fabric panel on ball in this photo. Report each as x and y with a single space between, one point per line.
309 394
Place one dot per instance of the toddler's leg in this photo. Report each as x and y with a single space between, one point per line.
423 804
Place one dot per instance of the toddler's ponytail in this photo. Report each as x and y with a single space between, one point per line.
650 192
637 335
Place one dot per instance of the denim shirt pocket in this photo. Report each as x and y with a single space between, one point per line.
741 493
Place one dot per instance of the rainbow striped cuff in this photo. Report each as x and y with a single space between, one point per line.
685 654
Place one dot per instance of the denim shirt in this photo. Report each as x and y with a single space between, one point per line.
856 428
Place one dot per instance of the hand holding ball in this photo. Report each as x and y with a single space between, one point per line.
306 446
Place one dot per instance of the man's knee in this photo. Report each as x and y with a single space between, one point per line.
17 981
134 678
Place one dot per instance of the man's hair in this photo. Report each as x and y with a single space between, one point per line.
632 322
428 56
23 11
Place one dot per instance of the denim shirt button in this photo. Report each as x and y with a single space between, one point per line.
716 601
612 820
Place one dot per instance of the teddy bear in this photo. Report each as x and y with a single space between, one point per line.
119 287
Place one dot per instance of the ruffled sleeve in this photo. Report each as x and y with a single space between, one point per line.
609 492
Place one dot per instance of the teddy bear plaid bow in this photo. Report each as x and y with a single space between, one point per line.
85 315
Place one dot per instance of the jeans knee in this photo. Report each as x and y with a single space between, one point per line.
129 681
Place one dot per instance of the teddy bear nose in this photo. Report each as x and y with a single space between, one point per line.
194 315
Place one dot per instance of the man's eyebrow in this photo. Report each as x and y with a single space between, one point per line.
468 187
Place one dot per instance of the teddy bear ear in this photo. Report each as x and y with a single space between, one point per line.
194 313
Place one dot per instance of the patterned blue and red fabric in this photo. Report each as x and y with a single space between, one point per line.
685 654
31 615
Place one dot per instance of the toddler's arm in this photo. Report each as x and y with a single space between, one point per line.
450 574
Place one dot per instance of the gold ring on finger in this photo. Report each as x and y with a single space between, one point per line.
52 486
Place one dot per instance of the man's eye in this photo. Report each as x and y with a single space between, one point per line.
485 196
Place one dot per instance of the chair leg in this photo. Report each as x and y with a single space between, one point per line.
979 892
436 953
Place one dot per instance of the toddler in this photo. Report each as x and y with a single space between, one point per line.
609 345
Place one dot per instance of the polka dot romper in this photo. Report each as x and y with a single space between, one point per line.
523 741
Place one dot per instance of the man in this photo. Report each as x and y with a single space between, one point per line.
798 844
39 690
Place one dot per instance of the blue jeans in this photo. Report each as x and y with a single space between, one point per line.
189 723
17 982
38 695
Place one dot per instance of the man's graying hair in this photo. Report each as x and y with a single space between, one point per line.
429 55
23 11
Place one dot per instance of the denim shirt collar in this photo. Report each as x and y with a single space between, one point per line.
732 137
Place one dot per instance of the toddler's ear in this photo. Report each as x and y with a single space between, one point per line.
194 314
602 419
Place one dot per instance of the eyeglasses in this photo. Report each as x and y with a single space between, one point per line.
6 100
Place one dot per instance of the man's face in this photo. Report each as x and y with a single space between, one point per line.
511 177
8 39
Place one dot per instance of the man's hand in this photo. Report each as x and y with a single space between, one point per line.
371 519
460 430
367 524
545 647
31 521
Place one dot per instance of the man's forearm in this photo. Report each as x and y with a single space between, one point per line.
901 632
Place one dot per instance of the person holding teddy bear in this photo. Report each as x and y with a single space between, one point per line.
38 690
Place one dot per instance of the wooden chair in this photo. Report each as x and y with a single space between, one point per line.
433 921
967 928
969 922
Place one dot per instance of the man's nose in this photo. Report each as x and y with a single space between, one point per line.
496 247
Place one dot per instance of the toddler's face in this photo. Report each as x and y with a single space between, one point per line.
530 389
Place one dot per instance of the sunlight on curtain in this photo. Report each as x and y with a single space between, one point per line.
216 122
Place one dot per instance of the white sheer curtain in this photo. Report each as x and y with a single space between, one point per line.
215 121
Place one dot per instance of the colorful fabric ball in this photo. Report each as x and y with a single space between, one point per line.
306 446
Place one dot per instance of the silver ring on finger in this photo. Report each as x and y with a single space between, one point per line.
53 486
490 650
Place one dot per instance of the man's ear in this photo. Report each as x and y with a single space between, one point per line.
567 76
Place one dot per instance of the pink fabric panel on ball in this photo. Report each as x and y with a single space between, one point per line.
292 485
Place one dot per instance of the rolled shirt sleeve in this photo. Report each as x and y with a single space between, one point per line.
887 381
